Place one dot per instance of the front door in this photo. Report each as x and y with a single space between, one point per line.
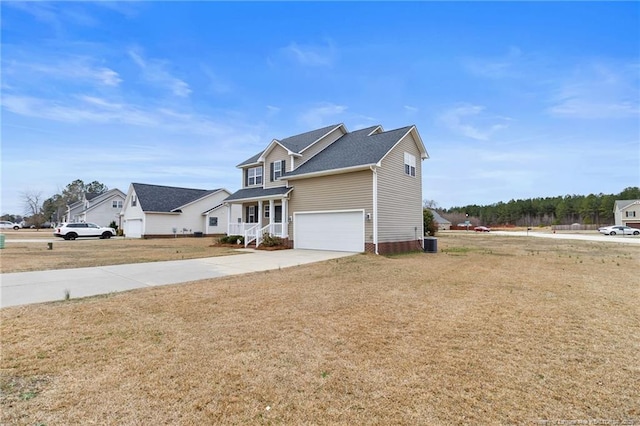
278 214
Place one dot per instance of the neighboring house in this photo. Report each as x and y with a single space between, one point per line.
331 189
156 211
443 224
627 213
101 209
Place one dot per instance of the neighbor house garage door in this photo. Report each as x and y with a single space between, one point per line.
133 228
339 231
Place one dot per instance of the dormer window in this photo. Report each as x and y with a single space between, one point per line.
254 176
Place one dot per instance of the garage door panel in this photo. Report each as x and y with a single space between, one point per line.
133 228
339 231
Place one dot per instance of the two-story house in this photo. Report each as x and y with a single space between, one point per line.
331 189
101 209
627 213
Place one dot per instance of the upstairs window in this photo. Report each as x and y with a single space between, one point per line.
254 176
277 170
630 213
116 204
134 201
409 164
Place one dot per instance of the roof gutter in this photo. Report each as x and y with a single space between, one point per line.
329 172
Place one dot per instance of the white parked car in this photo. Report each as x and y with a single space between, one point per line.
5 224
617 229
71 231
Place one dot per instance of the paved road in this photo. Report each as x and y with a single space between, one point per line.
23 288
623 239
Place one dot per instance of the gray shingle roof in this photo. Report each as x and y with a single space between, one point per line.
158 198
299 142
251 160
621 204
357 148
257 193
295 143
439 219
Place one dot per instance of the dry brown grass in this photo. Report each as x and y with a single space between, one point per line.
35 256
491 330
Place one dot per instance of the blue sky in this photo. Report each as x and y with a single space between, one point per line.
512 99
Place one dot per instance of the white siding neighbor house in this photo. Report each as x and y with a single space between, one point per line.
161 211
335 190
101 209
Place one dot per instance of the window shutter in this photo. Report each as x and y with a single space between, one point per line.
271 174
247 214
282 167
246 177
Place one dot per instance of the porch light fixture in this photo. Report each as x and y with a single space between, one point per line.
290 219
368 216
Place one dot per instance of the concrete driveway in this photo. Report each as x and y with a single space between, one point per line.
23 288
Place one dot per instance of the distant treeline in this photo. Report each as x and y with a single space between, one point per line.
585 209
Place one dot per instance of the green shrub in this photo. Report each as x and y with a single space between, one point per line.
232 239
113 225
269 240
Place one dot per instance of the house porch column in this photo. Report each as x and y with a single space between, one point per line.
271 215
228 219
285 218
260 213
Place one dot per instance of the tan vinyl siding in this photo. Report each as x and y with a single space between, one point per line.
336 192
319 146
400 195
278 153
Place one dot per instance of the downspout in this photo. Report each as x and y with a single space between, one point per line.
375 208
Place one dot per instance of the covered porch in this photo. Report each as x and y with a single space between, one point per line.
264 212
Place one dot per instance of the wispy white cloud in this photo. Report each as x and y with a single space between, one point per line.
312 55
73 69
506 65
471 121
410 109
322 114
598 91
155 71
83 109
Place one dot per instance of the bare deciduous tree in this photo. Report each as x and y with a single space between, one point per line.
33 207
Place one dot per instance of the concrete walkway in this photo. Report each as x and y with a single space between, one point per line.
23 288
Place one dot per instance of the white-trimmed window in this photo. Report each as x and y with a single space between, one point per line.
409 164
254 176
134 201
116 204
213 221
251 215
266 211
630 213
277 170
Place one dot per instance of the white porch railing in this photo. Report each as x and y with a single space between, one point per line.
239 228
251 234
252 231
274 229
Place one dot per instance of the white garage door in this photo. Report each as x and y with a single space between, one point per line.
339 231
133 228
